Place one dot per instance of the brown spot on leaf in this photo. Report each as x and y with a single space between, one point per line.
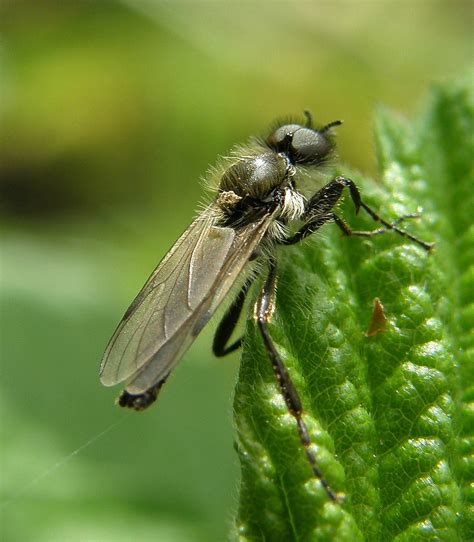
378 323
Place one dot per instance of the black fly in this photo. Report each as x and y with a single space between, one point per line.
257 198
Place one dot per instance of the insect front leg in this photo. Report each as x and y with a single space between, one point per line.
319 211
264 309
347 230
355 195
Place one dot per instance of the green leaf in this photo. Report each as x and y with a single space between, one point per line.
388 414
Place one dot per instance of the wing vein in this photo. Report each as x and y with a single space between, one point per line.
143 326
178 300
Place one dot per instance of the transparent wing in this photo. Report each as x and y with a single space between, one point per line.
177 301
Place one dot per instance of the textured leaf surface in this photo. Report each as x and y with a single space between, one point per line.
389 415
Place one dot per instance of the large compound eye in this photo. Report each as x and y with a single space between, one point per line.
280 139
301 144
310 147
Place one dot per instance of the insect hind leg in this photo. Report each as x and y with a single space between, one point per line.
264 308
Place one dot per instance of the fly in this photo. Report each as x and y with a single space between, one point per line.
257 199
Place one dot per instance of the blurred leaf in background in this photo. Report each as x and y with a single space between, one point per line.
110 113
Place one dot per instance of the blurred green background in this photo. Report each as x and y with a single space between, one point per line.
110 114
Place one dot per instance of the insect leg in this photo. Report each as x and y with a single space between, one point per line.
347 230
264 308
307 229
355 195
319 211
227 325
